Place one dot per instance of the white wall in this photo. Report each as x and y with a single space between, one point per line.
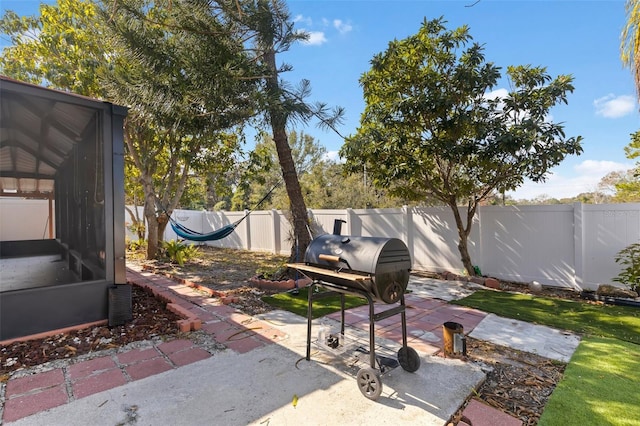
22 219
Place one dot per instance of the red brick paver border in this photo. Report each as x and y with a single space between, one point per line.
481 414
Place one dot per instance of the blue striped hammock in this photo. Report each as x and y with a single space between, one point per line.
188 234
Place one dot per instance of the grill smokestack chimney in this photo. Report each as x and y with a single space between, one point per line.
337 226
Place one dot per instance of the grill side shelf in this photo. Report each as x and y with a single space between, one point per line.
317 271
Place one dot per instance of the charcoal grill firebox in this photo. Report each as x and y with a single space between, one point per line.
374 268
385 262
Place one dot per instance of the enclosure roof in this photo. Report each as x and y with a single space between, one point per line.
39 128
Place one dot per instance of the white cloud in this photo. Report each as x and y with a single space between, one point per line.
316 38
342 27
332 156
498 93
612 106
601 168
587 176
305 20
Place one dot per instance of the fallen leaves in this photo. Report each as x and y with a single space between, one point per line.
518 383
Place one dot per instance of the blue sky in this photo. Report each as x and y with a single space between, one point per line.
581 38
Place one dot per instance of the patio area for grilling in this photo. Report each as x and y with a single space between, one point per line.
256 382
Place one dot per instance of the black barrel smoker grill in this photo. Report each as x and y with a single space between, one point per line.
374 268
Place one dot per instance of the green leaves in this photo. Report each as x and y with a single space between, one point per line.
434 120
427 104
629 259
60 48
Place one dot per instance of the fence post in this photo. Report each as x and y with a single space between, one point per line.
480 243
578 247
407 228
247 227
350 216
275 243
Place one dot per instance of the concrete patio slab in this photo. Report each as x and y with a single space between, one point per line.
438 289
258 388
544 341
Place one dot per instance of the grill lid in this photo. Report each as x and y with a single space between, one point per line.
385 261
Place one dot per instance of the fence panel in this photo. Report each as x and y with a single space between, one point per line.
529 243
434 240
322 221
607 230
262 231
378 223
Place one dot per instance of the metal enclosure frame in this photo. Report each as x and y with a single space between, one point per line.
71 149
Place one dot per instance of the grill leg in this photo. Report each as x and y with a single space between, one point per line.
342 310
309 317
372 333
403 315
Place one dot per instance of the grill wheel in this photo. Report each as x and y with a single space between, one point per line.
370 383
409 359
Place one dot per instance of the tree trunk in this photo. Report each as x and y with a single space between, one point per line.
278 122
150 215
163 220
463 237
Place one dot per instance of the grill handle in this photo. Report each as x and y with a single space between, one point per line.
329 258
334 259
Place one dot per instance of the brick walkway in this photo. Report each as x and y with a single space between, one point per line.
38 390
424 322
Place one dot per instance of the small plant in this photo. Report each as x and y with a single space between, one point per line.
136 245
274 273
137 228
629 258
178 252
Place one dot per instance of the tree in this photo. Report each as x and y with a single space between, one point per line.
274 34
184 73
261 173
630 44
329 186
628 186
271 33
432 125
61 48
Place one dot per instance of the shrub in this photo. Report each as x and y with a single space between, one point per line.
136 245
629 258
178 252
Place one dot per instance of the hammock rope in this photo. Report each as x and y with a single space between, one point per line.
191 235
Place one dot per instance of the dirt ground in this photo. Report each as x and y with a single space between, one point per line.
517 383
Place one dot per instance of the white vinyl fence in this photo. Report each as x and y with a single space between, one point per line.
561 245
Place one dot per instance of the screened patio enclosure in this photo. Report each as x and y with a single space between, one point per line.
67 149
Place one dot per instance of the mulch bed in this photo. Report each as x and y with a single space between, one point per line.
517 383
151 320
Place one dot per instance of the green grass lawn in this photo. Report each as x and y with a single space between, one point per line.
298 303
620 322
600 385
